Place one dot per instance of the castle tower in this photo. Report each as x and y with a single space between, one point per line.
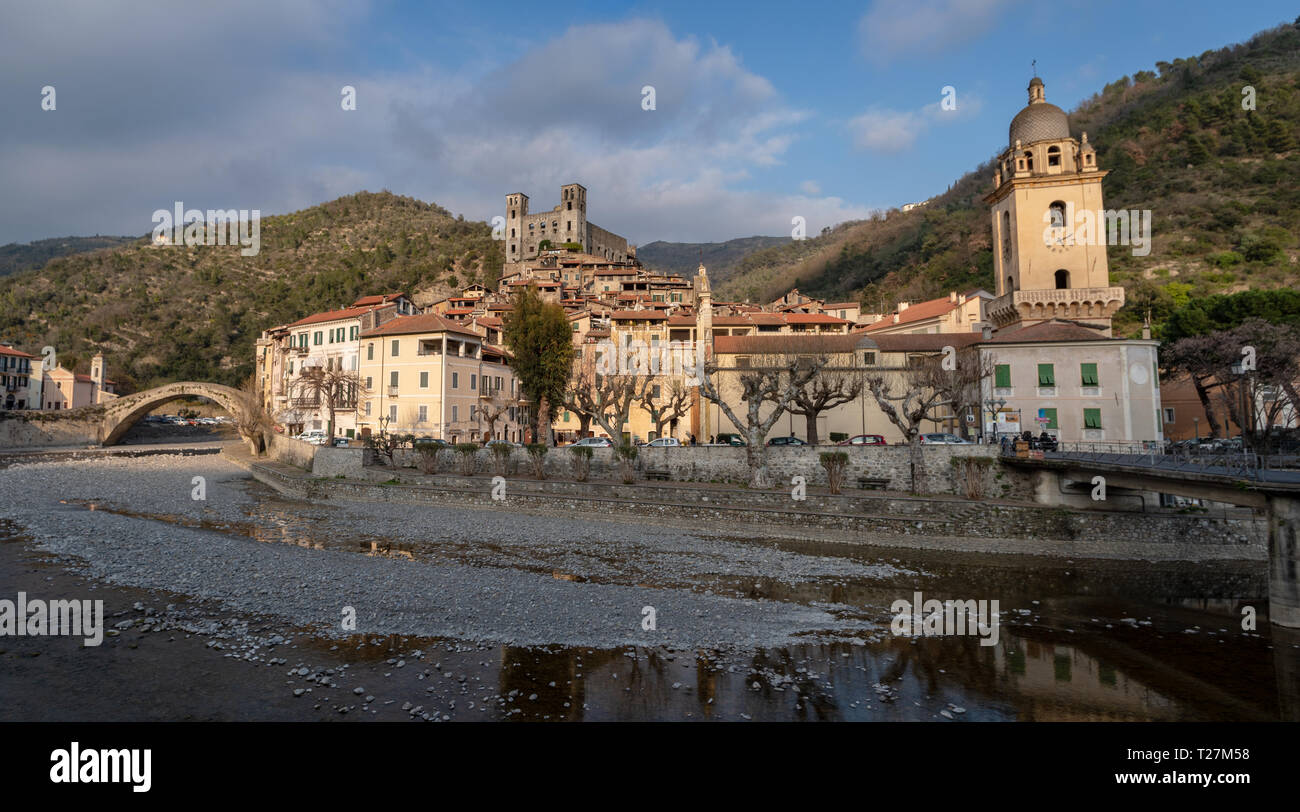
573 214
1044 183
516 211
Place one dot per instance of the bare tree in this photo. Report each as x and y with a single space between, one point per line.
327 387
608 397
832 386
492 408
251 417
667 402
774 379
908 397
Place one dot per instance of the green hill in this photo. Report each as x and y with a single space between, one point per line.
721 258
177 313
16 257
1223 184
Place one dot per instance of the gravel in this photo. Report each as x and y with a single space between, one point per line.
478 575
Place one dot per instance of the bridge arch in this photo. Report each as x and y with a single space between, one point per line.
124 412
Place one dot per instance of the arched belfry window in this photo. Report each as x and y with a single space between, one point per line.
1006 234
1029 161
1053 156
1057 215
1062 279
1011 285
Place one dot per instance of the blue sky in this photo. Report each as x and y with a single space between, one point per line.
764 111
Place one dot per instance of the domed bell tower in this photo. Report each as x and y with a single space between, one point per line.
1042 183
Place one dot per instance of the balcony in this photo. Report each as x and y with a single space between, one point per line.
392 391
1058 303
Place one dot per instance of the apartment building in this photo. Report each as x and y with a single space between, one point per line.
429 376
19 388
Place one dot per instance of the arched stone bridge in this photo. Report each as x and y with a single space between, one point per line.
104 423
122 413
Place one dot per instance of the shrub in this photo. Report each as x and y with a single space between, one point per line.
838 436
537 456
1226 259
835 463
430 457
626 456
501 458
468 458
581 461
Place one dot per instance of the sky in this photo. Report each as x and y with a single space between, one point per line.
762 112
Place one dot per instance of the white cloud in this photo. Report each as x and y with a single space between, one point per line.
893 27
893 131
810 187
271 135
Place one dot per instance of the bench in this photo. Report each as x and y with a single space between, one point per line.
656 473
873 483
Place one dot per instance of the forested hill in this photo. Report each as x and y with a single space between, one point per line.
1223 184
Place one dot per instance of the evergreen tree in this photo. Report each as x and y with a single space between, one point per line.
539 335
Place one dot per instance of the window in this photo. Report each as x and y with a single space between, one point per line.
473 382
354 332
392 414
1089 373
1053 156
1050 418
742 362
318 338
1046 375
370 351
1092 418
1006 238
455 413
1062 279
455 380
369 382
396 344
1057 210
1169 415
424 414
424 380
392 378
1002 376
868 359
367 408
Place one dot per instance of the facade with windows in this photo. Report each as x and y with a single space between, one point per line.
431 377
19 388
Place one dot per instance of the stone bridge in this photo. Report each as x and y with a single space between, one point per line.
1276 493
104 423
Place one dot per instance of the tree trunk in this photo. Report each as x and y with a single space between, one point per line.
914 459
1206 406
756 456
543 418
810 423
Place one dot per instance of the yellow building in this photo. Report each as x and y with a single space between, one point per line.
431 377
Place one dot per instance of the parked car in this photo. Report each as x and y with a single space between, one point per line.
341 442
664 442
505 443
730 439
596 442
313 436
785 441
864 439
943 439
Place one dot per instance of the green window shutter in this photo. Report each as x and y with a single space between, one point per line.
1046 375
1002 376
1089 374
1092 418
1050 414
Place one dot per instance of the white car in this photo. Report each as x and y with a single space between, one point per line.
664 442
315 437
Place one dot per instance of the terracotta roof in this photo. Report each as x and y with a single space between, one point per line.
785 343
1054 330
840 305
380 298
918 342
637 315
15 353
332 315
732 321
814 318
489 321
917 312
458 311
423 323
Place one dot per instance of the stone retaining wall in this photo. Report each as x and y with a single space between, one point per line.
729 465
37 429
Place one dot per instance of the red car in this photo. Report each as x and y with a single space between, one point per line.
864 439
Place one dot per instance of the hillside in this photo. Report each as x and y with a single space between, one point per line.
16 257
1223 184
177 313
721 258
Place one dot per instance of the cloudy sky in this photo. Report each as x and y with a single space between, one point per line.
763 111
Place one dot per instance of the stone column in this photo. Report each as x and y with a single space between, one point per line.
1284 561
